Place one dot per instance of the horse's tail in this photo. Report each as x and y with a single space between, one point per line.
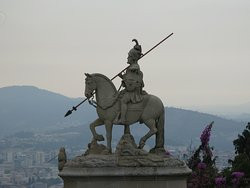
160 133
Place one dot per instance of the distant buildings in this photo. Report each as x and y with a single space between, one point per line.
39 157
9 156
38 185
28 168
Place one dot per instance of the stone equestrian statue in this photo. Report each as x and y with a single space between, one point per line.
128 106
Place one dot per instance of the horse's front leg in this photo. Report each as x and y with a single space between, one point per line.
109 126
126 129
152 130
94 124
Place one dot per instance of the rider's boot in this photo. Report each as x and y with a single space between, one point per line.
123 113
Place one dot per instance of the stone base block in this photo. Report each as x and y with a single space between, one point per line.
128 167
124 177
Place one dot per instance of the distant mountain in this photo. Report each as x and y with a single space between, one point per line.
27 108
240 117
239 112
185 126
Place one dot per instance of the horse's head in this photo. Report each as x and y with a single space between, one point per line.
90 85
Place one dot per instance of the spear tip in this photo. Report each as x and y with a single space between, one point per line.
68 113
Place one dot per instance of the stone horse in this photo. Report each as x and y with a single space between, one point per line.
150 111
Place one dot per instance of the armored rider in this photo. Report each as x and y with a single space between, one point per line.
132 80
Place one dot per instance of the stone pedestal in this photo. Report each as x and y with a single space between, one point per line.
125 177
112 171
128 167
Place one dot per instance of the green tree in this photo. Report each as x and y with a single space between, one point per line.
242 144
241 161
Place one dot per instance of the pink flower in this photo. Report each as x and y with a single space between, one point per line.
167 153
201 166
237 176
205 136
220 181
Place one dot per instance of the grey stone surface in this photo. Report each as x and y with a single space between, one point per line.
150 111
121 177
132 81
125 170
128 106
128 166
150 160
76 171
126 155
62 158
128 147
126 182
95 148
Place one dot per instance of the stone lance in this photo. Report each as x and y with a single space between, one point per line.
74 108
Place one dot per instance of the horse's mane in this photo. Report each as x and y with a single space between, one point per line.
106 78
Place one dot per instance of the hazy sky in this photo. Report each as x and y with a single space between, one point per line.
52 43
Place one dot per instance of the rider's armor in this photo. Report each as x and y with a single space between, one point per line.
133 83
132 80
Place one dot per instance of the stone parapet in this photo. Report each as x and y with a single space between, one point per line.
90 172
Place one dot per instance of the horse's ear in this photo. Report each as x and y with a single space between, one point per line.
87 75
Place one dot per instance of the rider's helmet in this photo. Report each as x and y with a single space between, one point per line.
135 53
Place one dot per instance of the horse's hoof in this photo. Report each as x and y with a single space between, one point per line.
106 152
141 144
99 138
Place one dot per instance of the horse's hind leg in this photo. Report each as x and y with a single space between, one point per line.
94 124
109 126
152 130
